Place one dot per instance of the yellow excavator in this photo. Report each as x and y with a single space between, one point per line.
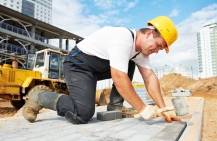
47 74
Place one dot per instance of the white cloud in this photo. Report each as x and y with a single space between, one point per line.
154 2
174 13
105 4
115 4
131 5
75 17
109 4
112 12
68 15
184 50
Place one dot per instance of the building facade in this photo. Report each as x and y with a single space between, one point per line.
164 70
207 49
183 70
38 9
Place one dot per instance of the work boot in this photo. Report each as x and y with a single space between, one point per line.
37 100
116 104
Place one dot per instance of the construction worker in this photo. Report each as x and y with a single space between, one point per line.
111 52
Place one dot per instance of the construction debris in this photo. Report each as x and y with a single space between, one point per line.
181 92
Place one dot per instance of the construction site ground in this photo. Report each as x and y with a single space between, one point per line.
202 89
49 126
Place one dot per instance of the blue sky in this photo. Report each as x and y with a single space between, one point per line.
82 17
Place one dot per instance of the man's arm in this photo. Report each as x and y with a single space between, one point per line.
126 90
152 86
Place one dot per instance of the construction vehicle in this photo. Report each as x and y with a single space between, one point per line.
47 74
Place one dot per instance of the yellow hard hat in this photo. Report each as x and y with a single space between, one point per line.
167 29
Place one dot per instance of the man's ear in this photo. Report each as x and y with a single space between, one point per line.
148 33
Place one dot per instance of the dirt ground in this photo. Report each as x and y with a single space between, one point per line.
206 88
6 109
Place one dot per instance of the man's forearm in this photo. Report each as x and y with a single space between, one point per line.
126 90
153 88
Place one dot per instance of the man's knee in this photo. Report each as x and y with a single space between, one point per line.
85 112
69 109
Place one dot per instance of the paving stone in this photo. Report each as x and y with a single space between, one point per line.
141 137
171 132
124 134
149 131
109 115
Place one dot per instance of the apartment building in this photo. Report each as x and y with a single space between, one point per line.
38 9
179 68
207 49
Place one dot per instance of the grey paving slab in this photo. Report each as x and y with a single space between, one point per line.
49 126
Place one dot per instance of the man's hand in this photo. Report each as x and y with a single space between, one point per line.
150 112
168 113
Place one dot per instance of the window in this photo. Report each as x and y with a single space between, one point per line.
30 61
54 61
39 60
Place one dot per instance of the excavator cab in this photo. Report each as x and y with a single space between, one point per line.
50 63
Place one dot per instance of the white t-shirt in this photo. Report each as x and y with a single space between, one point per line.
116 45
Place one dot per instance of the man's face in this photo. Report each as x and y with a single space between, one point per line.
150 44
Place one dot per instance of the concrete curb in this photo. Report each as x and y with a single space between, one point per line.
193 130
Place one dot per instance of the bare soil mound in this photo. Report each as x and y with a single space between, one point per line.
206 86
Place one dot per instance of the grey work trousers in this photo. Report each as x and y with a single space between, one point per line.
82 72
